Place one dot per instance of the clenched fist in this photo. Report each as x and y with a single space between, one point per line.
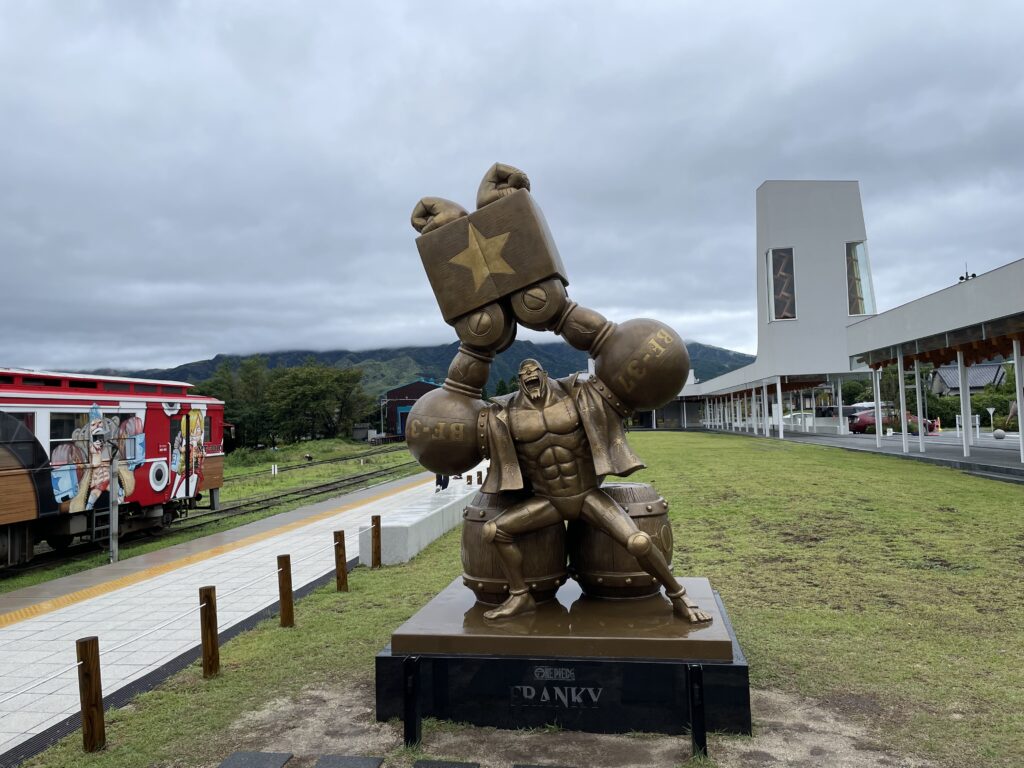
431 213
500 181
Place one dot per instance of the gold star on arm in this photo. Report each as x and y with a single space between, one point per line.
482 257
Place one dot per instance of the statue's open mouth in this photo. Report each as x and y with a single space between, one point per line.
531 384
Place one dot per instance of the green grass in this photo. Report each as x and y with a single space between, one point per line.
889 588
242 483
235 489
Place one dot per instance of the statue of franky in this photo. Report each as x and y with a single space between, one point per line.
491 271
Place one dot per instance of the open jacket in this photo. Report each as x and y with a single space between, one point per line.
601 421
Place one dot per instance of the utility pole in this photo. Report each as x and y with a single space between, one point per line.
113 492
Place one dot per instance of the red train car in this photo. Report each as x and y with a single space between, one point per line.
64 437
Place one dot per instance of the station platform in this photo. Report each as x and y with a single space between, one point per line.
144 610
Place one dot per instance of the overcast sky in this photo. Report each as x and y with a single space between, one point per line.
183 179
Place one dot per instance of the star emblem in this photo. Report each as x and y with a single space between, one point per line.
482 257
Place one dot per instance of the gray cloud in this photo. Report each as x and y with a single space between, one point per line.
182 179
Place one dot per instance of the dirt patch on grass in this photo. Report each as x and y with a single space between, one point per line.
789 731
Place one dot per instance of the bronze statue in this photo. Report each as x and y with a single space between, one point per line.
495 269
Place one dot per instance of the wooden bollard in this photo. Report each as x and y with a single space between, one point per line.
208 630
284 587
469 478
340 562
479 477
375 541
90 694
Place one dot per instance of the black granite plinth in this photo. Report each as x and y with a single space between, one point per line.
344 761
598 695
256 760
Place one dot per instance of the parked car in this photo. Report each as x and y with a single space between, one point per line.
864 421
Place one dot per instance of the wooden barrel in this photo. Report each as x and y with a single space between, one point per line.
605 569
543 552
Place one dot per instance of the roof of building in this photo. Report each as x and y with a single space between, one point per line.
980 375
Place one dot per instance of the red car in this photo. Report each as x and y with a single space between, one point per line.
860 422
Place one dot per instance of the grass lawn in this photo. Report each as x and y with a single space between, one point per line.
246 475
887 588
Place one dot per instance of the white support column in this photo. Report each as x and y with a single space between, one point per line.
750 411
965 403
920 405
778 395
1018 369
901 373
841 429
765 413
814 411
685 424
876 383
654 418
757 411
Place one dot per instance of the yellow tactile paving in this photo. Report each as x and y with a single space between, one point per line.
56 603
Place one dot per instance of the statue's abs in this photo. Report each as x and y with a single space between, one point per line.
552 448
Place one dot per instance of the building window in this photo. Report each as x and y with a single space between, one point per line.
858 280
781 290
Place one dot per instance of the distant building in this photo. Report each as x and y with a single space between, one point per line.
396 403
946 380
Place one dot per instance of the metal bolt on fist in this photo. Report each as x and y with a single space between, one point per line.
552 443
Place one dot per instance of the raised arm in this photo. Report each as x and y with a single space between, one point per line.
640 364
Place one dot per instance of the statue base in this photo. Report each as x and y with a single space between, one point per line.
603 666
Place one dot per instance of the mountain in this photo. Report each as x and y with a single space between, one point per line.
387 368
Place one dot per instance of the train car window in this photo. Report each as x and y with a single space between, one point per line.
63 425
33 382
172 390
206 430
6 379
117 386
79 384
146 388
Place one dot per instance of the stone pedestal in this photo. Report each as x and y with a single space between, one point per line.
590 665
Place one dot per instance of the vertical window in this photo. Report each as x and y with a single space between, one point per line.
858 280
781 291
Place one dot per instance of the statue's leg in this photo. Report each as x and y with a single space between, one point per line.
601 511
502 531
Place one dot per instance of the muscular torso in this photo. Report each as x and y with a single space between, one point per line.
551 444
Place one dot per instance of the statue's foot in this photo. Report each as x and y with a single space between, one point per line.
516 604
685 609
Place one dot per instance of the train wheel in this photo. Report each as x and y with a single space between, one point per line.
59 541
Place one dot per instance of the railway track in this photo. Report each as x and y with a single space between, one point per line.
314 463
48 557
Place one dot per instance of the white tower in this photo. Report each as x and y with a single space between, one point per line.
813 275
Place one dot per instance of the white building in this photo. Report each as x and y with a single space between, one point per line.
817 323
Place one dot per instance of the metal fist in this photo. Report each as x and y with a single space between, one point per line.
432 213
500 181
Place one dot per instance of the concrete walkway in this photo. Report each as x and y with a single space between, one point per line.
145 610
